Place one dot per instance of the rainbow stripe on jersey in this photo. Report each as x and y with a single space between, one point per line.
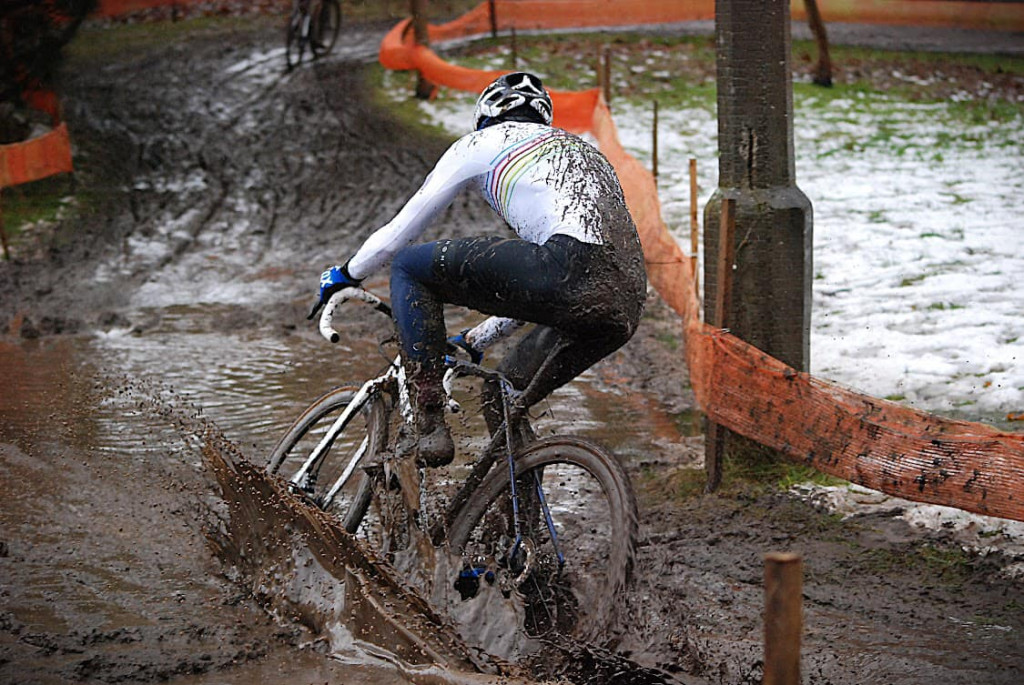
519 158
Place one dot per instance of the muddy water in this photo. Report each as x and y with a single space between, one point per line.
107 503
106 570
117 560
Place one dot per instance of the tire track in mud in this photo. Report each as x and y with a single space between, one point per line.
261 169
239 152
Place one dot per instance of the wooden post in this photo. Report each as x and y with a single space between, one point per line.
694 228
783 624
606 74
418 9
515 50
494 18
715 449
654 144
3 231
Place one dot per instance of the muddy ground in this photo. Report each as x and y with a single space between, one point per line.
217 188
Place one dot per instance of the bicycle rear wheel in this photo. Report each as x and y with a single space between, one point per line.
365 429
594 513
325 29
295 40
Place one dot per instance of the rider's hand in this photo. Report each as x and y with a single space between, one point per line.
459 341
331 281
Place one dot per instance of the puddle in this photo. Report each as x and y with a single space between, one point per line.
107 504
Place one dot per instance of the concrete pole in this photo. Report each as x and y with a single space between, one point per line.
770 305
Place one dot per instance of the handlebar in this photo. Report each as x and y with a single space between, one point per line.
341 297
482 335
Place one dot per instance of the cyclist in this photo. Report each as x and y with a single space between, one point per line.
573 265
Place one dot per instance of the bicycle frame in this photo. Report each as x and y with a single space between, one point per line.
512 410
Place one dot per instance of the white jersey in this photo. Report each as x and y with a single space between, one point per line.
538 178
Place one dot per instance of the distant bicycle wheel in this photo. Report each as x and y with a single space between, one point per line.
326 26
296 37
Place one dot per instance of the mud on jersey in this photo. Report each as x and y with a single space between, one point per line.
541 180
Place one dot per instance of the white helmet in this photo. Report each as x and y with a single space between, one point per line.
510 92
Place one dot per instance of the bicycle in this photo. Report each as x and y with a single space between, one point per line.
314 24
557 525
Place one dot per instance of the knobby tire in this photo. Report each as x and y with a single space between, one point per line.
326 26
593 608
285 460
295 42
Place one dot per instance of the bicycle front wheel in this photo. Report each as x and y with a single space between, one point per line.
295 40
593 512
326 26
365 432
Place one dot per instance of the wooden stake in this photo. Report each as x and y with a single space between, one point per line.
654 143
694 228
783 624
515 50
3 231
418 9
606 75
726 257
714 453
494 19
714 450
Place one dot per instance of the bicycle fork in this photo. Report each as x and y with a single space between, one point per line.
513 490
307 472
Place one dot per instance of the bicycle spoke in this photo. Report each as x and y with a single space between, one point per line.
577 518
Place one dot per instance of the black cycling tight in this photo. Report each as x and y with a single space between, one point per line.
564 286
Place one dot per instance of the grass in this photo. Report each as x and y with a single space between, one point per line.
750 474
948 565
680 72
31 205
384 10
96 42
382 83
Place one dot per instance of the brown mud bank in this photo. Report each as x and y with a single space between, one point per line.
220 187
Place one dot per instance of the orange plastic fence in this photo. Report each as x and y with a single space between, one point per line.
116 8
41 156
875 443
559 14
998 16
548 14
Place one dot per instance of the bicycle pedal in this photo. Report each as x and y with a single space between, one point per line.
374 469
468 581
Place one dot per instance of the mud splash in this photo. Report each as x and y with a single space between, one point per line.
301 565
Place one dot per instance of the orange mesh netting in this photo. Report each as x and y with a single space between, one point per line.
41 156
116 8
549 14
878 444
972 14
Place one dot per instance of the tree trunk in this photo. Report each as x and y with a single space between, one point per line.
823 69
